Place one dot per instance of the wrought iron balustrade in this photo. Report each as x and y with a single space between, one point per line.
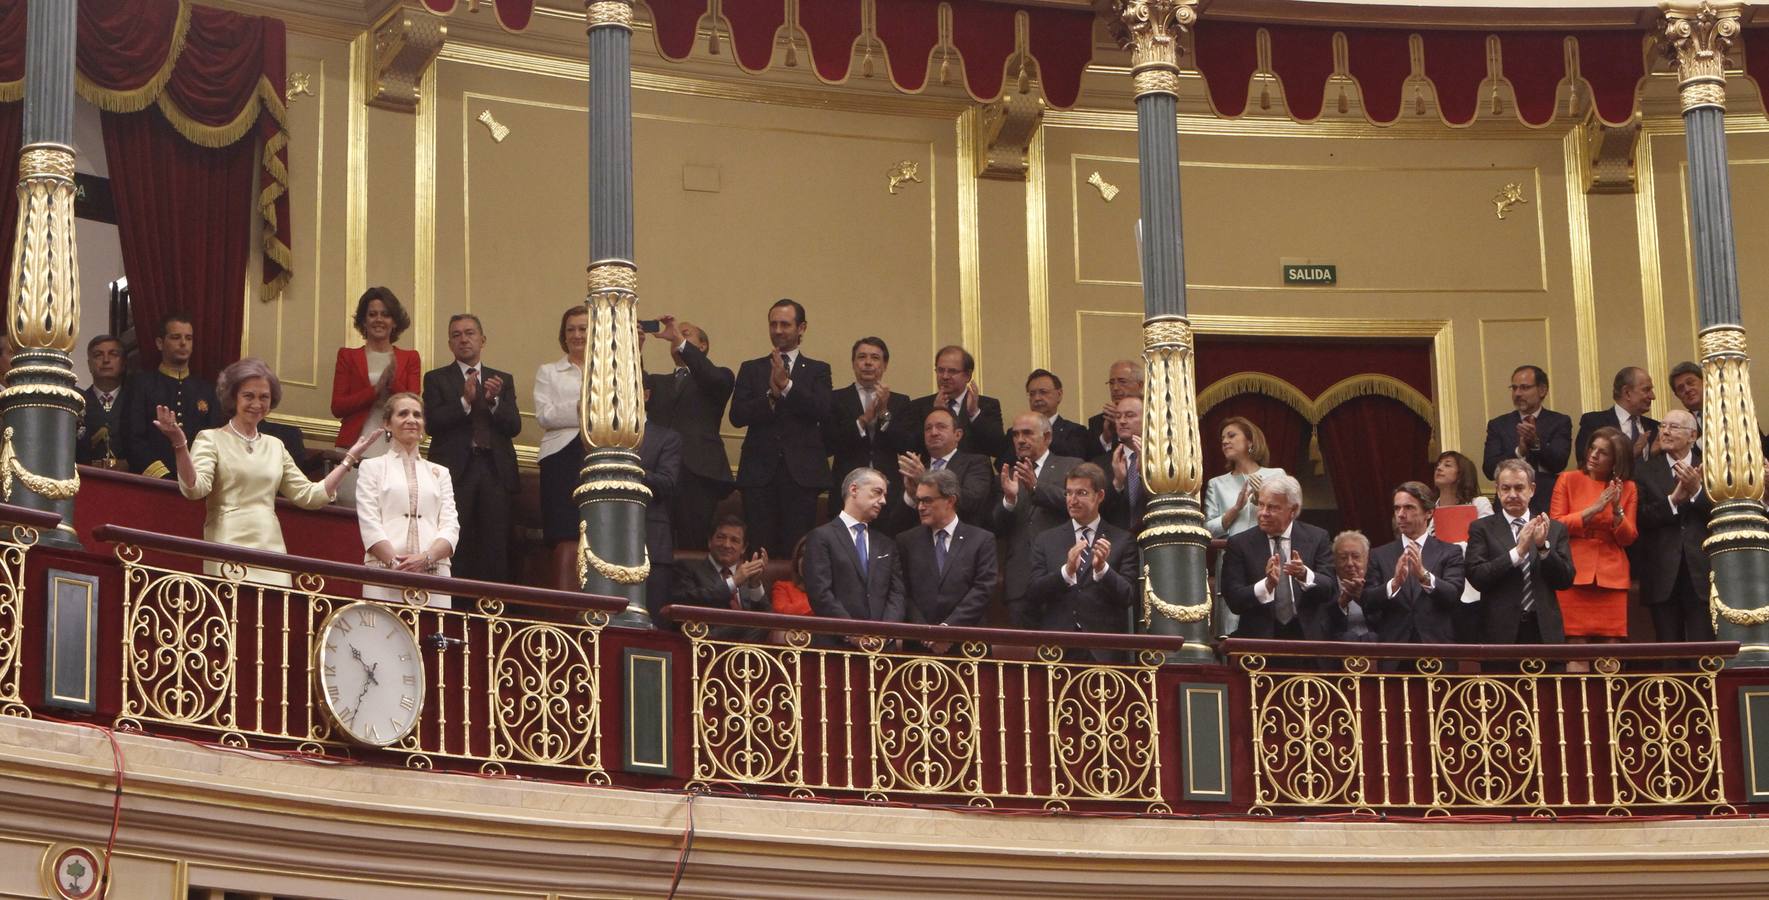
1398 726
836 709
224 653
18 532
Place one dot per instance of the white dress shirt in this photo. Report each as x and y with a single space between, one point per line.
468 407
1037 468
1092 528
866 394
1430 580
792 358
556 388
1623 417
1264 595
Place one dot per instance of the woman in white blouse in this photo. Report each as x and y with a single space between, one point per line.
405 504
1232 498
556 387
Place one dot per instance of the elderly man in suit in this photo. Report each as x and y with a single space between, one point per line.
99 439
869 426
1085 571
470 412
1279 577
1032 502
1633 395
691 399
851 570
949 566
783 399
1414 582
979 417
1124 380
1674 510
1540 437
1044 395
943 434
1517 560
1127 496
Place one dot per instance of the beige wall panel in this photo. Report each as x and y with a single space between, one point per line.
145 877
1506 344
1103 243
20 866
1005 352
1629 329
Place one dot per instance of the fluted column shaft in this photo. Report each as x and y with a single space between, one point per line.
41 404
1175 591
611 494
1696 38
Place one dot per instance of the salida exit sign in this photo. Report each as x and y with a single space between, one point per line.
1311 274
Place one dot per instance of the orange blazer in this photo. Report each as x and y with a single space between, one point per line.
353 395
1597 555
790 599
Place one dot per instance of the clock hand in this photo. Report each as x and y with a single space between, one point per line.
372 675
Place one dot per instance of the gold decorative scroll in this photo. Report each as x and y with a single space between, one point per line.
1734 456
1152 29
616 13
1696 38
45 291
587 560
12 468
612 403
1152 603
1171 460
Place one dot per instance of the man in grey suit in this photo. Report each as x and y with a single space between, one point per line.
1085 570
1032 503
1414 582
1517 562
949 566
1669 560
850 571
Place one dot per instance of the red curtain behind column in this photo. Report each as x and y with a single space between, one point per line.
1370 444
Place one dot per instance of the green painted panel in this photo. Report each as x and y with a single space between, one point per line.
1205 757
645 748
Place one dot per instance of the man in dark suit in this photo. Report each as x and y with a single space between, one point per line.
869 426
949 566
1032 502
1124 380
1414 583
852 571
978 416
942 435
723 579
1633 395
1351 559
1085 571
660 455
1538 436
1517 561
100 440
783 399
691 400
470 413
1128 496
1044 394
1671 565
1279 577
174 386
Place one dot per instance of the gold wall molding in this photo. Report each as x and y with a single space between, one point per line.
970 253
404 44
1584 287
423 311
1652 288
1038 250
356 188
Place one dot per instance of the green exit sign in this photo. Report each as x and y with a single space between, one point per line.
1313 275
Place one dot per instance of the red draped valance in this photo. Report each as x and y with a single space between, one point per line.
216 76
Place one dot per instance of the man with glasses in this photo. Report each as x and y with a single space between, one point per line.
1125 380
979 417
949 566
1540 437
1674 510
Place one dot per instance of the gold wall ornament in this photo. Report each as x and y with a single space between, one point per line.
498 130
1508 196
1107 190
1152 29
1005 129
404 43
902 173
1611 154
609 13
11 468
1733 451
1696 39
611 403
1152 603
45 289
587 560
1172 462
300 85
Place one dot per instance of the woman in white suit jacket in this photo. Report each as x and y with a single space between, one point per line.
405 504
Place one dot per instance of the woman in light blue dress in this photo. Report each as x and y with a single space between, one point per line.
1230 499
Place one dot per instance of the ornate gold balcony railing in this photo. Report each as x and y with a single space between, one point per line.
1394 726
837 709
227 653
18 532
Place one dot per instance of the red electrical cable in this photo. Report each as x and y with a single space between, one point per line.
110 844
687 844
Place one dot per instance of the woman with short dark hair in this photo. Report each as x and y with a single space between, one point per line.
1597 503
366 376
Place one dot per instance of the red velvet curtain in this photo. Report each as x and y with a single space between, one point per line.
1370 444
1286 432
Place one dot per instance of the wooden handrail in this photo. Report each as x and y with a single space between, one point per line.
191 547
170 488
1341 649
925 633
12 514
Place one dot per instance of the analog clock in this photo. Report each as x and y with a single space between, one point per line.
370 674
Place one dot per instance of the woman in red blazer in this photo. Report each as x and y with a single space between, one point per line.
1597 504
366 376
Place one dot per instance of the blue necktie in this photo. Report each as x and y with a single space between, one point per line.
860 546
940 552
938 465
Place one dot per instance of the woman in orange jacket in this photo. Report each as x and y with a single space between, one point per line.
1597 504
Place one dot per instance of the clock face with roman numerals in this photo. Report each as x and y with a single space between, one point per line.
370 674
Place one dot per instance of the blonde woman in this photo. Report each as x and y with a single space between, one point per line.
405 505
1231 498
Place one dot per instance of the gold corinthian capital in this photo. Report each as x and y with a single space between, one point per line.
45 290
1152 29
1696 38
